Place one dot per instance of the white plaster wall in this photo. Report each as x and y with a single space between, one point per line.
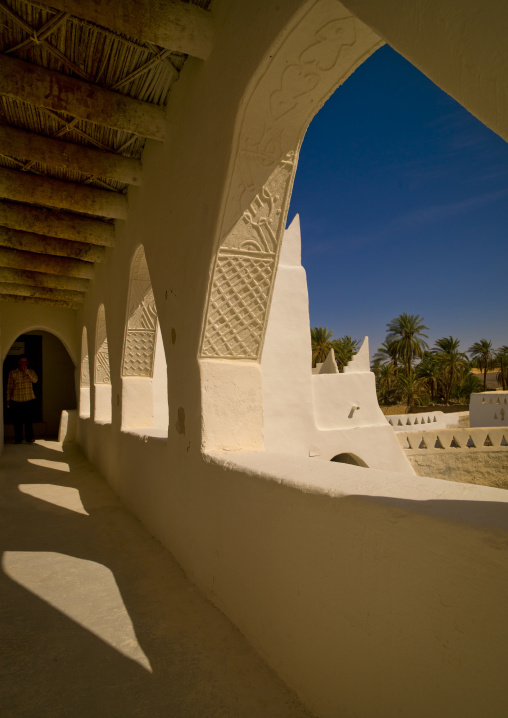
160 385
489 408
17 318
320 415
103 409
287 356
361 588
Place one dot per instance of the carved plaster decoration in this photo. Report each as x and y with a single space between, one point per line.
318 54
141 334
85 370
102 370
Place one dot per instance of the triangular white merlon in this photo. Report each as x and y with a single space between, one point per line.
360 363
329 364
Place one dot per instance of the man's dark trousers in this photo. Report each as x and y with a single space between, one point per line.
22 413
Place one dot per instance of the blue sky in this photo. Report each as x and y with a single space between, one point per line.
403 202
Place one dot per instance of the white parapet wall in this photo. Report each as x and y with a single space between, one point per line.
489 408
322 415
415 422
437 440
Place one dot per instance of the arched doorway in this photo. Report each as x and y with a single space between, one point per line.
346 458
55 389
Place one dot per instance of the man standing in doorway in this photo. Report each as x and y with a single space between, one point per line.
20 398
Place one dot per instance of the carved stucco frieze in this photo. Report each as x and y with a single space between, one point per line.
141 334
102 370
85 369
319 53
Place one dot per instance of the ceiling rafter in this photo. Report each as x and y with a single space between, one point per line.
112 87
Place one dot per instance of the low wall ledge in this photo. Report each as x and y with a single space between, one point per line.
478 506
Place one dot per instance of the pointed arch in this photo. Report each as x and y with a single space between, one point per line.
144 368
102 376
84 378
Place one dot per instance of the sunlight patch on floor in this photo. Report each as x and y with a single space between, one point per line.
84 591
64 496
49 464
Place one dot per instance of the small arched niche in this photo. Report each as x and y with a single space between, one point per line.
144 368
84 378
347 458
102 379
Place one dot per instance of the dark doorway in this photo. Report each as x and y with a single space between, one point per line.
31 346
55 389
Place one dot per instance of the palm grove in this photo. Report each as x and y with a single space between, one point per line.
408 371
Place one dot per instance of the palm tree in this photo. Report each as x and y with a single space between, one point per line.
467 385
450 361
385 383
502 358
411 387
321 344
344 348
386 354
406 331
428 370
482 355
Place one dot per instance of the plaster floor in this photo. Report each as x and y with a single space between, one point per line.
96 618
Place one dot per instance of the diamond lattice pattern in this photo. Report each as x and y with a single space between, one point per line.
238 306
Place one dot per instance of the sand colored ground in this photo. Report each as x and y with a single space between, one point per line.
98 619
483 468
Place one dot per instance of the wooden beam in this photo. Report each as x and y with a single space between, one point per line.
38 279
57 153
57 224
38 243
177 26
47 302
24 290
50 89
15 259
24 187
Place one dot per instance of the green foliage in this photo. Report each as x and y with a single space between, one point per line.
406 370
344 347
502 363
482 356
321 344
451 363
405 335
411 388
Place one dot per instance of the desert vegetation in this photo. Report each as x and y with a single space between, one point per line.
409 371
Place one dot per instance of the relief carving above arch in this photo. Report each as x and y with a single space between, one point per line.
320 52
85 367
102 368
141 332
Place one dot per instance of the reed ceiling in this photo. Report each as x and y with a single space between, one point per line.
77 101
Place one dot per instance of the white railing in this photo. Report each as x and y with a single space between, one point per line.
410 422
485 439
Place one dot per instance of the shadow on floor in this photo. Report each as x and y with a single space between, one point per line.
96 616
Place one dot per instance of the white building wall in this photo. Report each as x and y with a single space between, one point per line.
325 414
488 408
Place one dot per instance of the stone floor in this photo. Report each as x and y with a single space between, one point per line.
96 618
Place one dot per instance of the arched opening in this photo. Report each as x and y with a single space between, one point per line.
84 378
318 52
347 458
144 367
102 376
54 390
